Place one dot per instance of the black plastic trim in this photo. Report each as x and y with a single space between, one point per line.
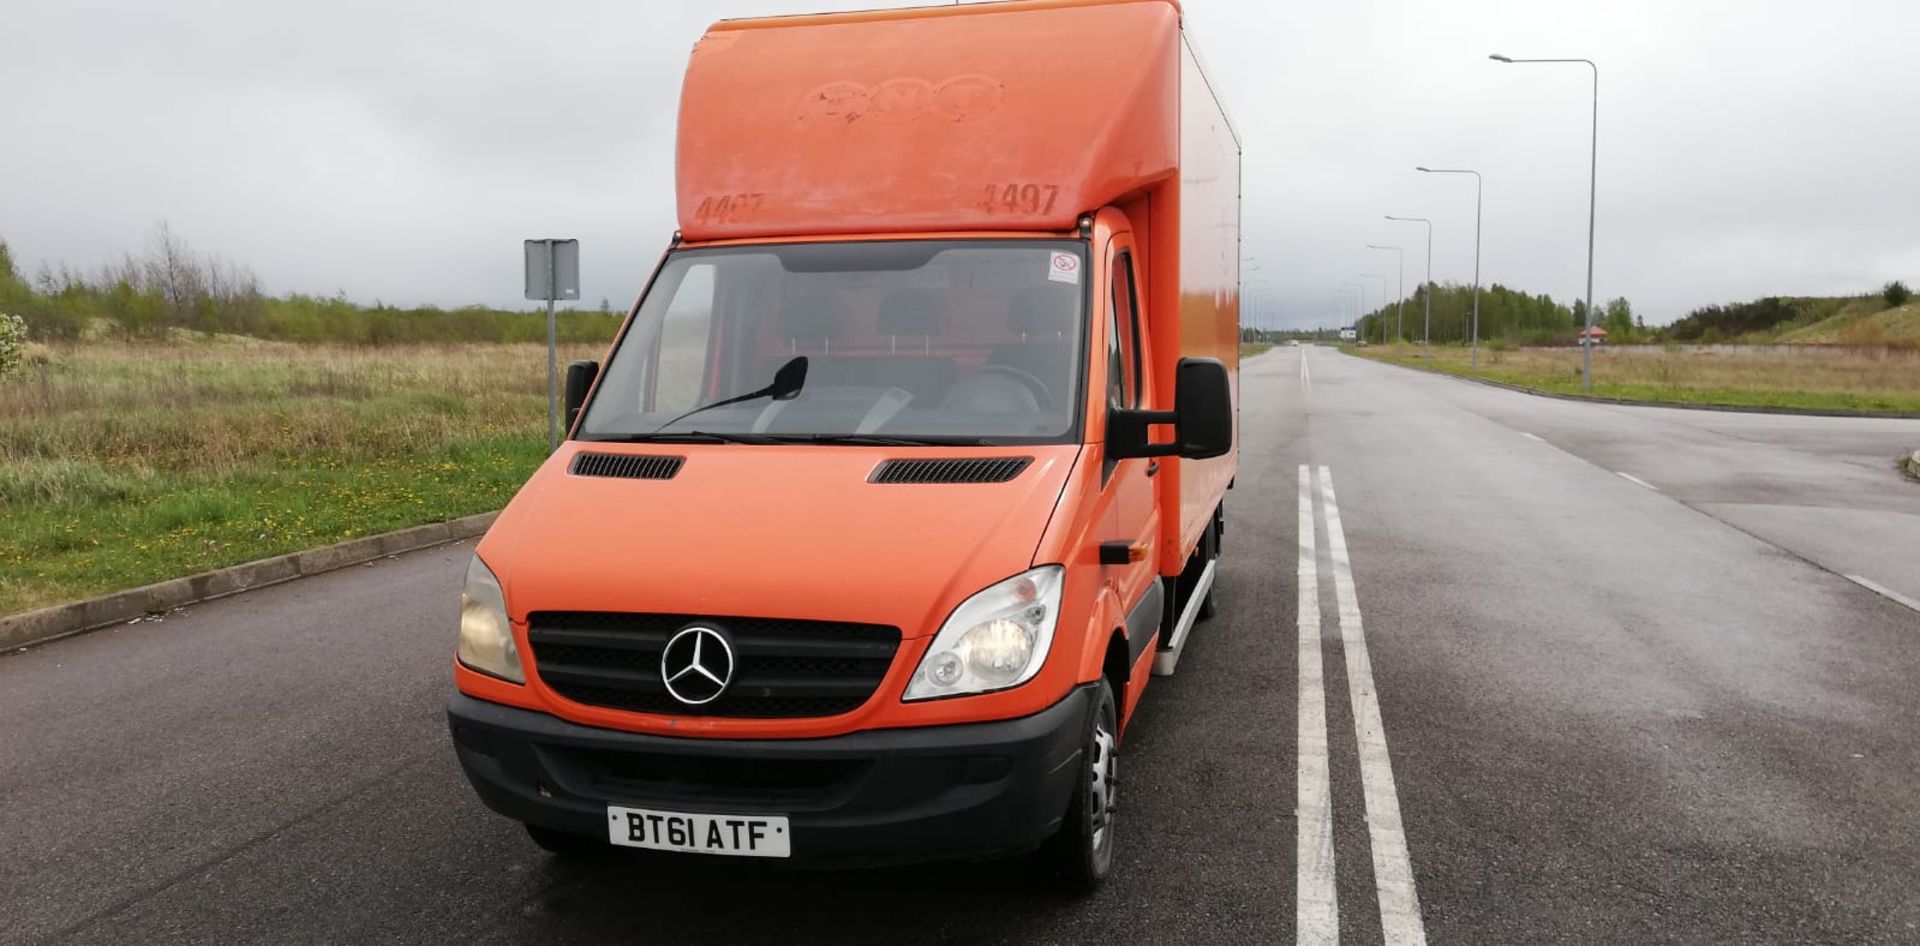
1144 620
950 470
628 466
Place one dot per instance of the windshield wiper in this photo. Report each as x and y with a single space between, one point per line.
689 436
872 440
784 387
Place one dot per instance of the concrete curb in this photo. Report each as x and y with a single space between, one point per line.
62 620
1629 402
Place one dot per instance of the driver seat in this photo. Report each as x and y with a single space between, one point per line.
1042 316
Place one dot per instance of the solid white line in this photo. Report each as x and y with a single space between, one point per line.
1884 591
1316 907
1533 436
1400 921
1629 477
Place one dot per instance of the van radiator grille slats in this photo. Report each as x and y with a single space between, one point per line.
784 668
626 465
966 470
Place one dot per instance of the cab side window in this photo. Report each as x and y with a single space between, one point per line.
1123 335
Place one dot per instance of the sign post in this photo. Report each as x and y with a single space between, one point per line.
553 273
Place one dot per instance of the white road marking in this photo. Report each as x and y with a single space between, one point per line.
1306 378
1533 436
1878 589
1400 921
1629 477
1316 906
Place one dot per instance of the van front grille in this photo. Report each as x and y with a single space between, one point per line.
783 669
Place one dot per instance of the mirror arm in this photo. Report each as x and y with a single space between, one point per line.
1141 420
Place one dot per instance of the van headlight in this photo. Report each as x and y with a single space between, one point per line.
994 640
486 637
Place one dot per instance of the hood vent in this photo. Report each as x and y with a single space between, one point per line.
626 466
969 470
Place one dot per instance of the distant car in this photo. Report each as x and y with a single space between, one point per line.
1294 342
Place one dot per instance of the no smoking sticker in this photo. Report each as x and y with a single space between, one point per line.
1064 267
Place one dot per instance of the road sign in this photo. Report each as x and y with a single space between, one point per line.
553 270
553 273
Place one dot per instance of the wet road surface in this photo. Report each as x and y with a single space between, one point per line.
1566 673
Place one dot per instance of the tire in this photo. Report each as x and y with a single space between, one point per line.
1082 852
565 843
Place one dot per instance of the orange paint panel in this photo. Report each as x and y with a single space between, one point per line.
1001 116
779 532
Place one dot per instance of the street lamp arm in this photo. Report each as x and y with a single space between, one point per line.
1589 62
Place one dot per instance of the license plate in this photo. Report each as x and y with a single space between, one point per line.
732 835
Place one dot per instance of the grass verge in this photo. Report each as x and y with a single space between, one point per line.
122 465
1871 381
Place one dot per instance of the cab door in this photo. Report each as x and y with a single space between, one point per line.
1132 523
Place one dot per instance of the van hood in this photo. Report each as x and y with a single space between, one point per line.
745 530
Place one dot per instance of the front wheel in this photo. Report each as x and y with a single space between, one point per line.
1083 850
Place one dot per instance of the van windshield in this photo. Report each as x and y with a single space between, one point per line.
971 342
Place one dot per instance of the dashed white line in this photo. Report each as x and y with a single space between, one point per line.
1883 591
1535 437
1400 921
1629 477
1306 377
1316 906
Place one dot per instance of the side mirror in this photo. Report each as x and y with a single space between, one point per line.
1203 402
580 375
1202 417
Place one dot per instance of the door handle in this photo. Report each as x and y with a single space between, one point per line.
1153 466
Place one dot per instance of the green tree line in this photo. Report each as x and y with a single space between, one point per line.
1506 316
171 286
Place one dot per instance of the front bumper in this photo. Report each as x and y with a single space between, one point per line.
880 796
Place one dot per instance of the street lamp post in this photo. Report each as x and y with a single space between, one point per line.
1426 334
1399 298
1350 294
1593 184
1475 344
1383 302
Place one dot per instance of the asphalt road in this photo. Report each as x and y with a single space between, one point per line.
1607 712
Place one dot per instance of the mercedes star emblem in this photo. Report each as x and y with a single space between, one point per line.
697 665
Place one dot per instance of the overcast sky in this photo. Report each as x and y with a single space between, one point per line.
401 151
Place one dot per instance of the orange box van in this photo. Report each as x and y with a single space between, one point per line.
905 473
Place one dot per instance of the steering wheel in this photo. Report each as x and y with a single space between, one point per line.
1042 395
